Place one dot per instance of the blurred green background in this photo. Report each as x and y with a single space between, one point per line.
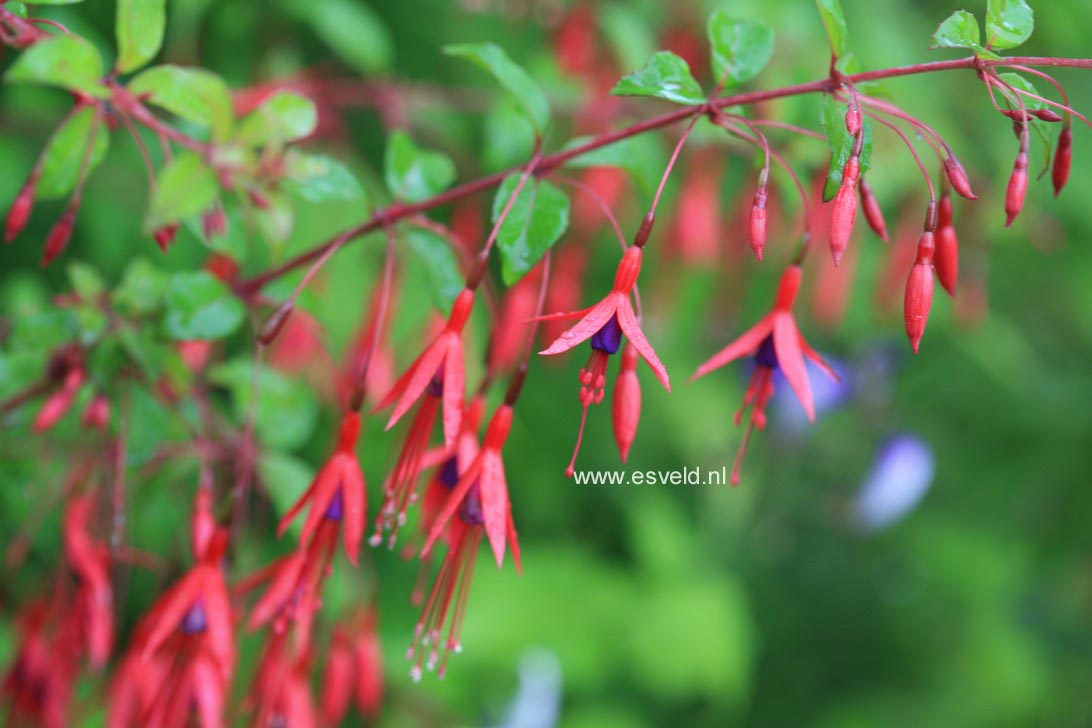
771 604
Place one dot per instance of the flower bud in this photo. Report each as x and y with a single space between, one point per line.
1048 115
58 237
1018 186
96 415
947 247
626 404
20 210
958 177
919 291
853 120
872 211
258 198
1063 158
845 209
164 236
57 404
758 221
214 223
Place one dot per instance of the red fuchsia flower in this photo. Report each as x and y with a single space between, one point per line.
19 213
919 290
440 367
844 212
96 415
214 223
165 235
281 692
38 686
832 287
59 402
873 213
1018 183
1063 159
354 669
947 246
957 176
697 223
58 237
626 405
478 504
337 493
775 341
605 323
89 560
575 42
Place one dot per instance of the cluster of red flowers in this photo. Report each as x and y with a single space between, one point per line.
180 662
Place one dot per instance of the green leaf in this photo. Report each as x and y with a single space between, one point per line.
285 412
141 289
536 221
186 187
140 27
510 76
959 30
67 61
641 156
145 349
283 117
192 94
200 306
54 2
277 220
1008 23
441 267
65 152
740 49
86 281
414 174
833 120
319 178
16 8
352 30
835 22
665 76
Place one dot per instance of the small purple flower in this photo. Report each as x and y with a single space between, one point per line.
899 479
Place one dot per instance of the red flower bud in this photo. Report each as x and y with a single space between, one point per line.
96 415
947 247
1048 115
58 237
919 291
258 198
873 213
1018 186
845 209
55 406
20 210
626 404
1063 158
958 177
853 120
758 221
164 236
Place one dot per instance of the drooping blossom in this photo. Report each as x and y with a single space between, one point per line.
477 505
442 360
336 494
605 323
354 670
775 342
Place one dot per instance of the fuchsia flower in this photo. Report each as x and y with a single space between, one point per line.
775 341
480 502
605 323
626 405
354 669
281 693
89 560
337 493
440 367
59 402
